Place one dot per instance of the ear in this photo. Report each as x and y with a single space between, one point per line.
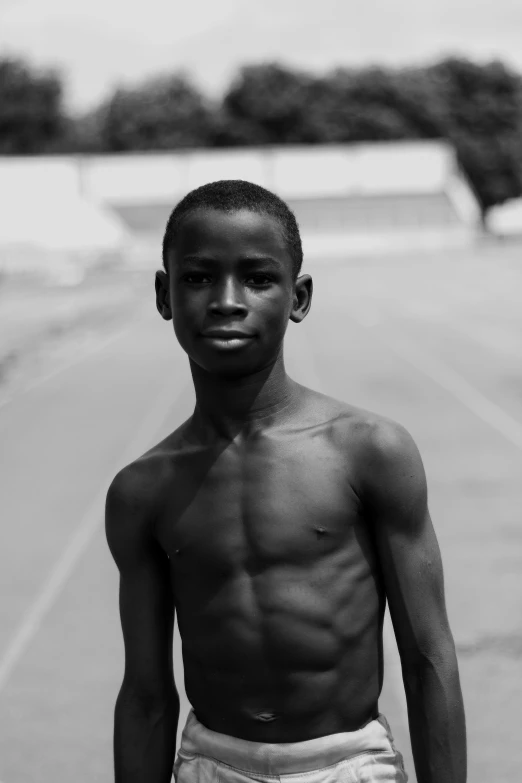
302 298
163 295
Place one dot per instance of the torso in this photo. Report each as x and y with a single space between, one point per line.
276 585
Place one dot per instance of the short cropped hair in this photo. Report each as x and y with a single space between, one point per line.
230 195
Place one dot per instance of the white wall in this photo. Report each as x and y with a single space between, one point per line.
292 172
307 176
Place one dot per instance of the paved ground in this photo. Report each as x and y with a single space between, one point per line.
434 342
44 325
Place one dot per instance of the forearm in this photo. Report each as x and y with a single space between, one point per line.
144 738
436 719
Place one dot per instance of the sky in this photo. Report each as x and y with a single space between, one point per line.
101 43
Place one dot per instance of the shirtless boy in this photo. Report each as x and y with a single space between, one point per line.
276 521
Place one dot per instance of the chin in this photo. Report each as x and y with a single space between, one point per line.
232 365
228 368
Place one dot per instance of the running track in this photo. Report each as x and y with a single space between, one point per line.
435 344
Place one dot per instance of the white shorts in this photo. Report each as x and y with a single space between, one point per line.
364 756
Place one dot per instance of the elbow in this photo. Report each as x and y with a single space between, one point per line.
147 700
435 657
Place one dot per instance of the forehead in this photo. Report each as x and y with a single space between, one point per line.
212 233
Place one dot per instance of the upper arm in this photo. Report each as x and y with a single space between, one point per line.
146 599
395 499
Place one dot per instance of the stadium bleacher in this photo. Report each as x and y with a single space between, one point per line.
347 198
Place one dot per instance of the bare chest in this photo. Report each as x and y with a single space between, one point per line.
274 502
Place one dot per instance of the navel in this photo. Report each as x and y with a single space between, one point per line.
321 531
266 717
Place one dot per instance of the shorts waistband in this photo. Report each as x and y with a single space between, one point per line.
285 757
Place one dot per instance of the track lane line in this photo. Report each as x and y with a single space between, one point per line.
42 380
401 309
451 381
80 540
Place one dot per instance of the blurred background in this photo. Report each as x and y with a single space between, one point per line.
394 131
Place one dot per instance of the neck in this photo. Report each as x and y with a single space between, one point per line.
227 407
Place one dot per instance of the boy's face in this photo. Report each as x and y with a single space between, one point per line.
230 291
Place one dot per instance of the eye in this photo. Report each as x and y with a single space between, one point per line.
195 278
260 279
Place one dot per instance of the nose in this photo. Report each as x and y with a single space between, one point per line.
228 299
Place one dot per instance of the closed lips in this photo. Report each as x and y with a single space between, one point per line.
226 335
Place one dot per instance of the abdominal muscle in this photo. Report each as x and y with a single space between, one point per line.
283 654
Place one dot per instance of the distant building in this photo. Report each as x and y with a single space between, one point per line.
353 198
48 227
348 199
388 197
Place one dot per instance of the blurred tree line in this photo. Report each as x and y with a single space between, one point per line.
477 107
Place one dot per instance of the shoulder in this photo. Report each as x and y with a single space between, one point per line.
135 496
371 434
390 471
130 511
132 487
384 442
386 461
140 484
